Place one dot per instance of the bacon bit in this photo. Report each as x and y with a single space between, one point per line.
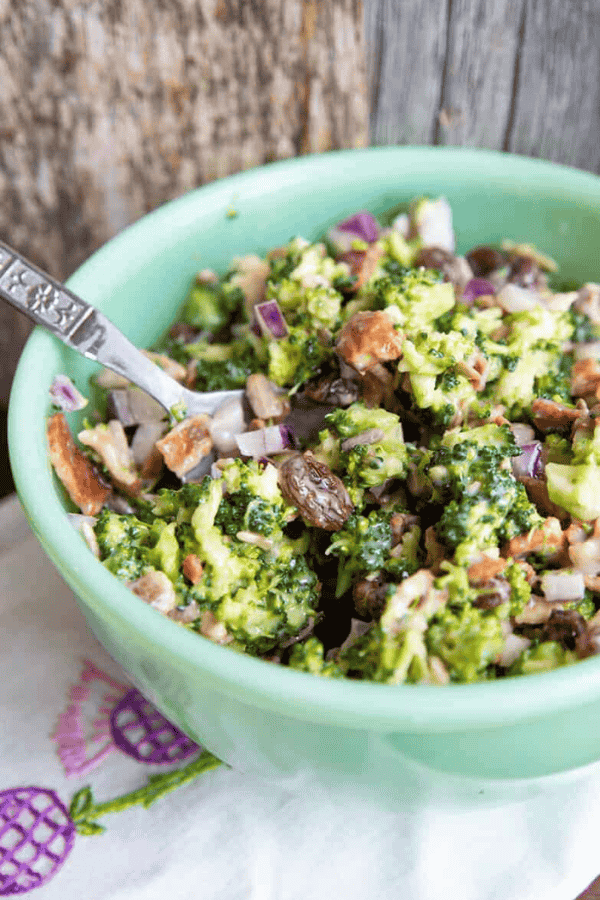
186 444
110 443
548 415
549 540
487 568
367 339
585 378
192 568
155 589
76 472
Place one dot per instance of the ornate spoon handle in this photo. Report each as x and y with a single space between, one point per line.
85 329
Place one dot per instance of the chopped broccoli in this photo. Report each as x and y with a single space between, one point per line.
415 297
364 546
542 658
294 359
308 656
124 543
257 584
468 640
484 503
211 306
370 464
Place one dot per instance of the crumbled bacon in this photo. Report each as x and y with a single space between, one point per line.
76 472
548 540
549 415
192 568
367 339
186 444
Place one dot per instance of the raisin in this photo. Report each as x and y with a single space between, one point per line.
319 496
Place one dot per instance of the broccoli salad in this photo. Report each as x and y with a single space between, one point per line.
408 490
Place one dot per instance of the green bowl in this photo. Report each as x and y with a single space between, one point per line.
398 744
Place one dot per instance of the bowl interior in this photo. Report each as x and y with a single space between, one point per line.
139 280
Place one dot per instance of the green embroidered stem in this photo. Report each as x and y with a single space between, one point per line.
84 811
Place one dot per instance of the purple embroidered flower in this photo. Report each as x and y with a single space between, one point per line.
139 730
36 836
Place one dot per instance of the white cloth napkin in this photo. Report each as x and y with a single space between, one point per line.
228 836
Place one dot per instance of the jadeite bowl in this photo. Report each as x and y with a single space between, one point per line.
398 744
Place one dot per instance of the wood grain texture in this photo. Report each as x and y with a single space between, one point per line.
517 75
109 109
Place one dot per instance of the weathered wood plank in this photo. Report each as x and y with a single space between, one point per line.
557 100
480 65
109 109
406 48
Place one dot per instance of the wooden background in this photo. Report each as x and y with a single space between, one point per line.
108 108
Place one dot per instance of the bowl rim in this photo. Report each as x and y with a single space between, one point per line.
346 702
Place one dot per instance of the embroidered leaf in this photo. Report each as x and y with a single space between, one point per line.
80 803
84 809
85 827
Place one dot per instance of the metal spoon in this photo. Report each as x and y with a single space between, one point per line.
85 329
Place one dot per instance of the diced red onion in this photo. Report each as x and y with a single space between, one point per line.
515 299
65 395
263 441
476 287
563 585
226 423
530 461
362 225
270 319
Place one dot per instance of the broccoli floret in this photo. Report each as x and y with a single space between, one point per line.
583 328
308 656
391 658
368 465
321 303
576 485
125 543
536 338
211 306
363 547
253 501
484 503
293 360
468 640
222 366
414 297
542 658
